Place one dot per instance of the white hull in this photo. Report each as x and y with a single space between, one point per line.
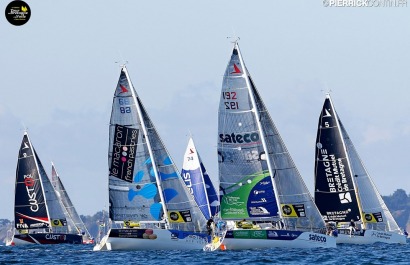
370 237
163 240
276 239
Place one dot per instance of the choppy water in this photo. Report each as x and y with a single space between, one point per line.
83 254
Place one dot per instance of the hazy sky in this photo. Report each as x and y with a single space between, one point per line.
58 76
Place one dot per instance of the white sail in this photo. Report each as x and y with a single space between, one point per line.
74 220
56 212
198 181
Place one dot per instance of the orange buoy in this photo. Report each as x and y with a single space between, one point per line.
223 247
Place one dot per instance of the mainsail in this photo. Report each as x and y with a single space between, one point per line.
258 178
343 187
198 181
74 221
144 183
36 203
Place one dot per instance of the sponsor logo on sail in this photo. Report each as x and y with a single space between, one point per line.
345 197
21 224
287 210
188 182
123 154
258 211
239 138
236 70
256 192
335 174
39 225
29 182
373 217
123 89
230 200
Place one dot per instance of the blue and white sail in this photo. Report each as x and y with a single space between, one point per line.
198 181
144 183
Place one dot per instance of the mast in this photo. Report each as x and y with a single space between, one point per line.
41 180
347 160
259 126
148 145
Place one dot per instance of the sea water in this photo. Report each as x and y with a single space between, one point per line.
83 254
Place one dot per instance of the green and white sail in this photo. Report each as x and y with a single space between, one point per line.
258 178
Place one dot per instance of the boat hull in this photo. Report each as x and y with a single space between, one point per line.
270 238
370 236
45 238
151 239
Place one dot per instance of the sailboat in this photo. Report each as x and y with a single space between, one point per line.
39 217
263 197
74 222
147 195
202 189
198 181
344 191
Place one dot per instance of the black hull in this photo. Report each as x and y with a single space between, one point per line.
47 238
